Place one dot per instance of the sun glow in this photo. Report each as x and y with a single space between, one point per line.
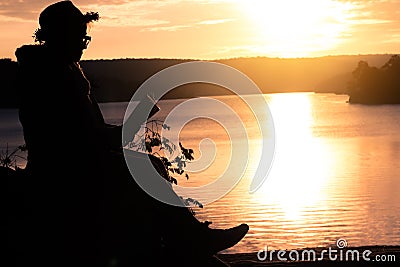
292 28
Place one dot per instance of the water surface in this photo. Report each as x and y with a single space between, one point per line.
335 173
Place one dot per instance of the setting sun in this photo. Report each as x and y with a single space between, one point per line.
297 28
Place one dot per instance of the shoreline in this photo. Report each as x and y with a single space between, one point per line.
381 255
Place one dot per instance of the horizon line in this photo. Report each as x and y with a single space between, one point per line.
245 57
228 58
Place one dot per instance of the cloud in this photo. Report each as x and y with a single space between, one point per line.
172 15
373 26
214 21
368 21
376 12
376 18
171 28
123 12
30 10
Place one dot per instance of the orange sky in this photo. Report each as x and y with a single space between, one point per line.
211 29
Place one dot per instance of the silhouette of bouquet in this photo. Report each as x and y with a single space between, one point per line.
150 141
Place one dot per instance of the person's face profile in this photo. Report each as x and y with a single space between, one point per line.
78 42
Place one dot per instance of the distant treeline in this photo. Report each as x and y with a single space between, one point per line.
117 79
372 85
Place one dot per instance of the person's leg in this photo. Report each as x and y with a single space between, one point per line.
180 229
130 232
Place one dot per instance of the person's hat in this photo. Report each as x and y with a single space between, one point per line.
62 17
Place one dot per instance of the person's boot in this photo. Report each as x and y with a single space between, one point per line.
203 242
211 261
216 240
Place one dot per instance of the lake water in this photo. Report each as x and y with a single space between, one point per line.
335 174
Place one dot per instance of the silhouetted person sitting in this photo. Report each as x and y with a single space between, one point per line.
83 207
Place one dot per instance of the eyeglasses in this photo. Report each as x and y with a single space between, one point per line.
86 40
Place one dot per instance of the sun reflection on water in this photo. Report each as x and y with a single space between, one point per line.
333 175
299 173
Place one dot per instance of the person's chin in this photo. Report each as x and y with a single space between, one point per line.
77 57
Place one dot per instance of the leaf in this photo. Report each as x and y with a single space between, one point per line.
168 145
151 138
174 181
195 202
180 165
155 142
186 152
148 147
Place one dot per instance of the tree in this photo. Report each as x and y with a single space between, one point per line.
371 85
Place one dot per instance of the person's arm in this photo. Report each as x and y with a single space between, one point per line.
115 137
112 132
